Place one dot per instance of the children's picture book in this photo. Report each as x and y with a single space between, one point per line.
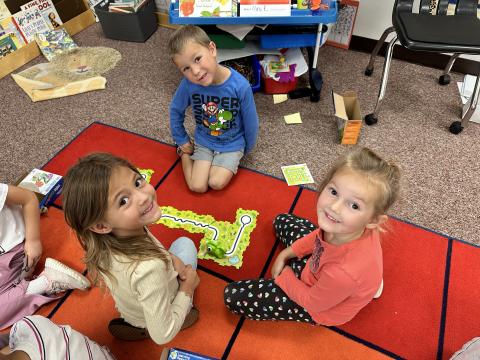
180 354
46 185
297 174
54 42
7 44
30 22
8 26
341 33
48 11
265 8
205 8
4 12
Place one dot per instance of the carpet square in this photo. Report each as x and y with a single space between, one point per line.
143 152
89 312
411 303
286 340
463 310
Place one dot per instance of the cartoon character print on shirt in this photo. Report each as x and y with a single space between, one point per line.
216 114
316 255
216 119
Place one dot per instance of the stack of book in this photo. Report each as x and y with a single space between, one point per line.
126 6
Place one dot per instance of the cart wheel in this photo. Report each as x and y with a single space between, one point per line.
456 127
368 71
315 96
444 79
370 119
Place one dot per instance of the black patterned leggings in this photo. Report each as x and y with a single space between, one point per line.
262 299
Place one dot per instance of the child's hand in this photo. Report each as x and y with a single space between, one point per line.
278 266
191 281
281 260
33 251
178 266
187 148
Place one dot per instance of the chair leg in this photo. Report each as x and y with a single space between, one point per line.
376 49
445 78
456 127
372 118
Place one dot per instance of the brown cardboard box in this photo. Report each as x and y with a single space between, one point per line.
30 51
348 116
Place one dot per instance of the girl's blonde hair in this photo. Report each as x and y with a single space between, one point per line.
85 203
184 34
384 175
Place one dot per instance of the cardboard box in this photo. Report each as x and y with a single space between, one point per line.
476 114
348 116
178 354
46 185
137 27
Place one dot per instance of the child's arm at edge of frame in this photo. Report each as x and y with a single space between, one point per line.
31 215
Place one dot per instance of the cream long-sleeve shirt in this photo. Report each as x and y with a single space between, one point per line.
146 295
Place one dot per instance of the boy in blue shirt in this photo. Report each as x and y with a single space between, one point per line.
223 108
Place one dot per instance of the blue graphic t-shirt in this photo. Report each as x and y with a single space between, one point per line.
225 115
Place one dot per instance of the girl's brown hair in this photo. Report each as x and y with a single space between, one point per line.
85 203
381 173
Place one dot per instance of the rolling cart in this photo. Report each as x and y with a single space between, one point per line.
303 28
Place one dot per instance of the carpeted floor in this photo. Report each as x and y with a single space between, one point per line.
428 305
441 181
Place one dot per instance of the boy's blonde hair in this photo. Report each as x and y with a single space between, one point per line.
85 203
384 175
184 34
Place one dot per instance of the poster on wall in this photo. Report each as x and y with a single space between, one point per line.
341 33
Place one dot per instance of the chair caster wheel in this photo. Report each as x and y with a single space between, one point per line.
368 71
456 127
444 79
370 119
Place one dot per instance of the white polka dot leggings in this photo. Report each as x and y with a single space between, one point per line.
262 299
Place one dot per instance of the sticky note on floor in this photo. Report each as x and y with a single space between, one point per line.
293 118
279 98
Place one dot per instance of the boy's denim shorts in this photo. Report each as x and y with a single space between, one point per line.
227 160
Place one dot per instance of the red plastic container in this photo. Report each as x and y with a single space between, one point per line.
271 86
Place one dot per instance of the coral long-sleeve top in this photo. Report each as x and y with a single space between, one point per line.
338 280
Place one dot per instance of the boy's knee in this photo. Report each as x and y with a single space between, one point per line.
198 188
218 183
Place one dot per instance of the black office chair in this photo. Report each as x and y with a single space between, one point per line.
458 34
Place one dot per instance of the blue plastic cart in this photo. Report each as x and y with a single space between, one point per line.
298 18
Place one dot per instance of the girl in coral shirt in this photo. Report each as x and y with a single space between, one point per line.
326 275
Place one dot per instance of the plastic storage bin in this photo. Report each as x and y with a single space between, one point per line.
256 68
271 86
280 41
137 27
